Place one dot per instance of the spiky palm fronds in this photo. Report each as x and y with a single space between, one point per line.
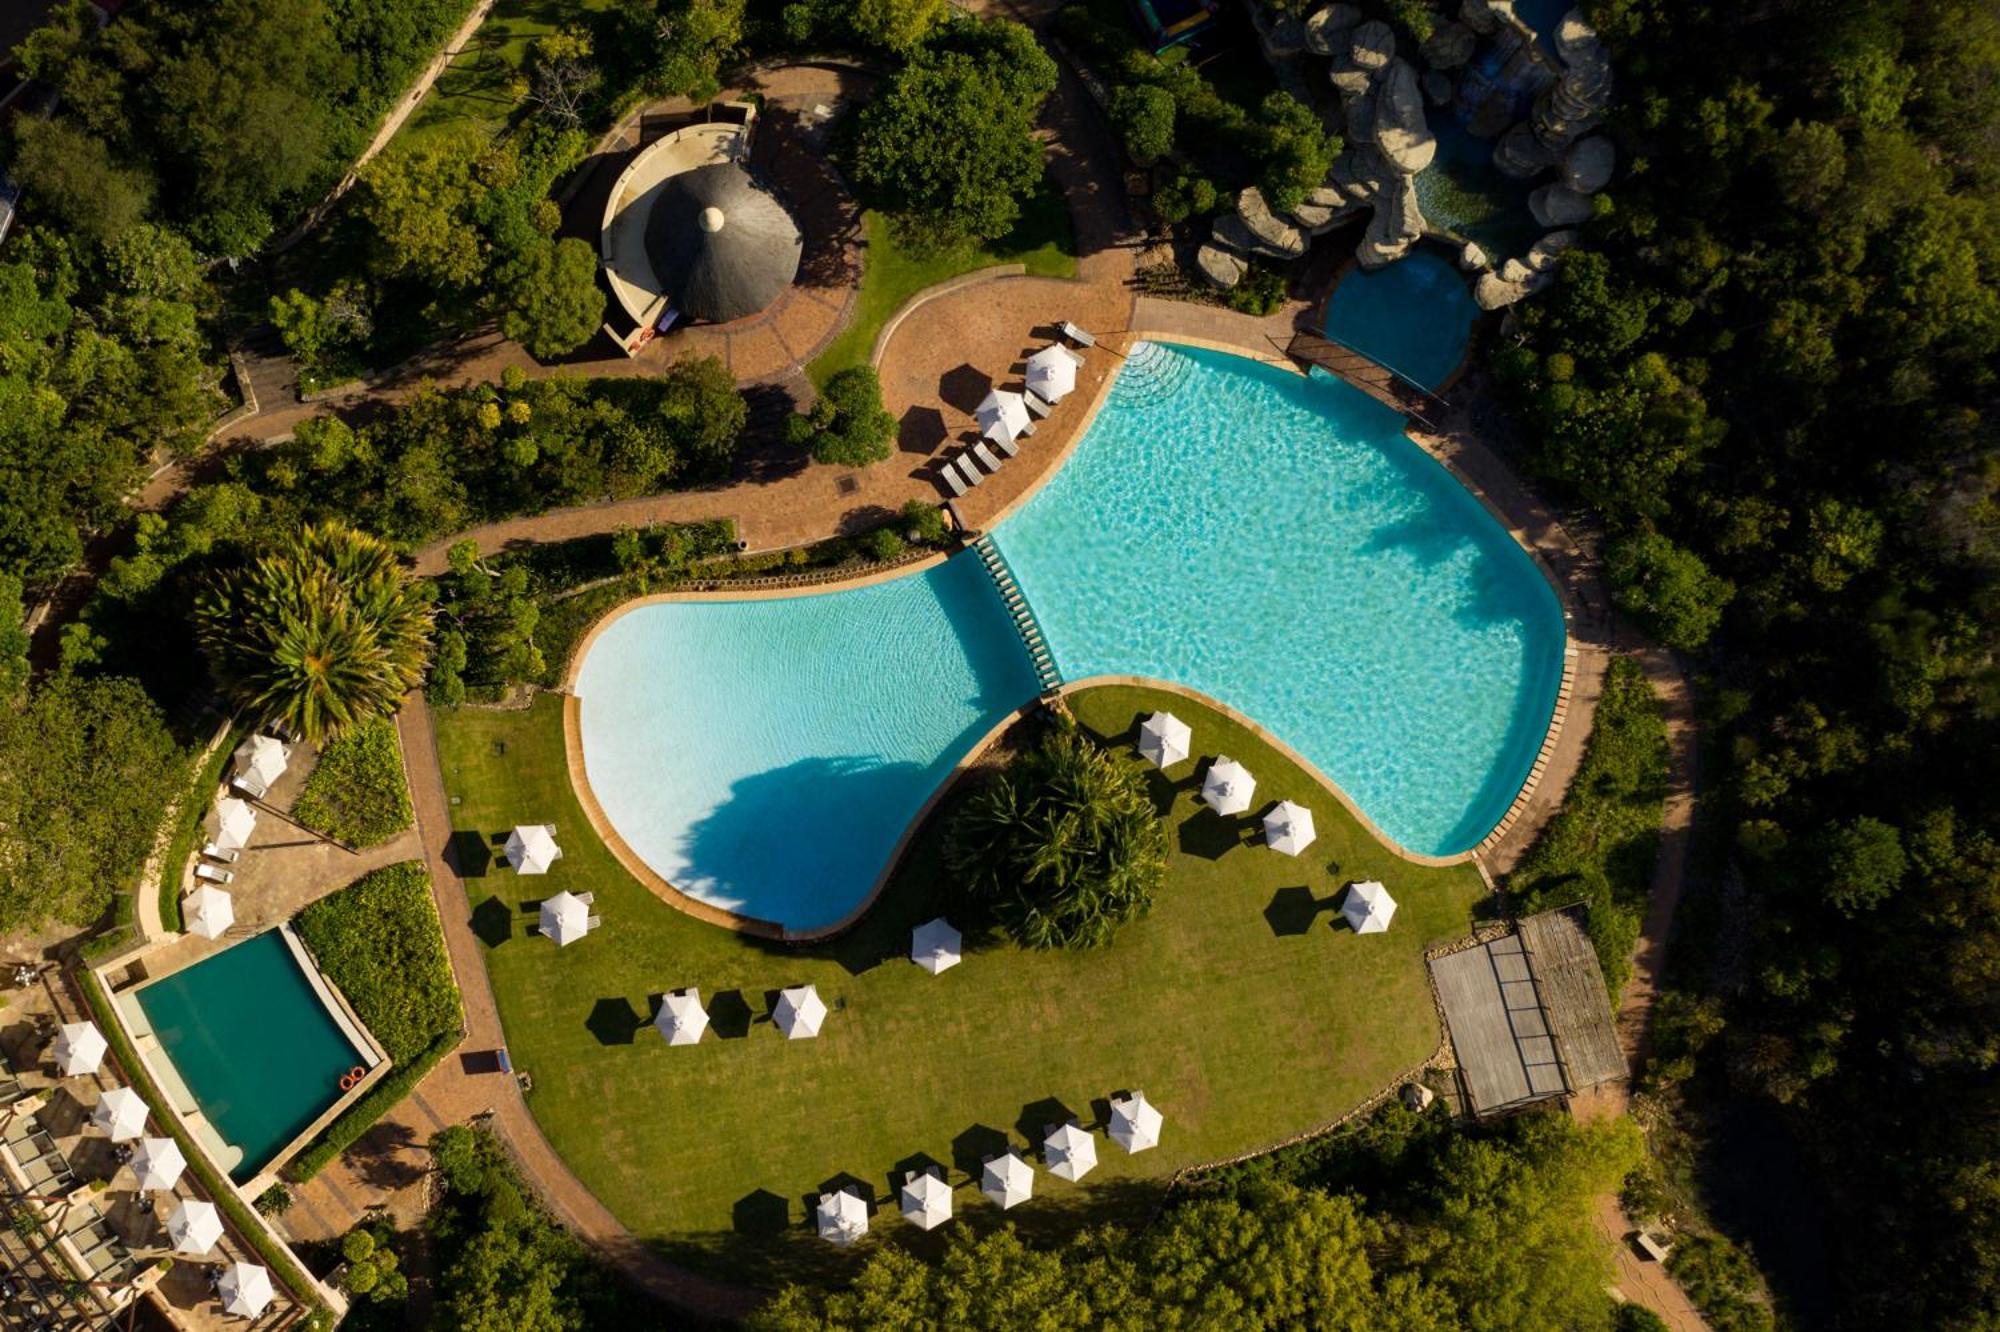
322 634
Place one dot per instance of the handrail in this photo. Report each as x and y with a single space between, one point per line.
1399 392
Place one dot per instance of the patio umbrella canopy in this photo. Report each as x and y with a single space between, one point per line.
121 1113
79 1048
936 946
1008 1180
245 1289
234 822
1070 1152
209 912
842 1217
721 243
158 1163
926 1200
194 1227
1052 373
261 759
681 1018
799 1012
531 848
1368 908
1165 739
1228 787
565 918
1288 828
1003 416
1135 1124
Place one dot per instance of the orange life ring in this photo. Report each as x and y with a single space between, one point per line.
353 1078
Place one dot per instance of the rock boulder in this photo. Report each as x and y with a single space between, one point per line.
1587 165
1450 46
1373 45
1492 292
1278 236
1437 88
1520 154
1472 258
1559 206
1220 267
1328 29
1542 255
1401 131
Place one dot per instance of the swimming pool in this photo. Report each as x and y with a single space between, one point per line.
254 1043
1413 316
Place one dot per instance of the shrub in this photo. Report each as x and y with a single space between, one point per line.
1189 194
848 425
358 1246
1143 115
923 523
883 544
378 939
356 792
1667 588
275 1201
1261 292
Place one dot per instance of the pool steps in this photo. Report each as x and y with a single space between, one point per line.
1153 372
1021 613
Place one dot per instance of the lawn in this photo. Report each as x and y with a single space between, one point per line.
1238 1006
478 89
891 274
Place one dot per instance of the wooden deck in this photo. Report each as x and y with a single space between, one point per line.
1573 998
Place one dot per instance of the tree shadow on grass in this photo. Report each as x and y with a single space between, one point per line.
468 854
492 922
1293 910
761 1214
730 1015
971 1149
614 1021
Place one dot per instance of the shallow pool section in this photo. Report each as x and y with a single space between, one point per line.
766 755
1279 544
1413 316
254 1043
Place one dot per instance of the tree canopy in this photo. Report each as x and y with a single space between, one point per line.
847 423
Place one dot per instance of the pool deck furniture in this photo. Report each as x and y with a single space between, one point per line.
952 480
1037 404
531 848
1007 446
1368 908
969 470
1135 1122
1165 739
214 875
1076 335
985 456
226 854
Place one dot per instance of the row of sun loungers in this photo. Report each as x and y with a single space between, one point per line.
1001 413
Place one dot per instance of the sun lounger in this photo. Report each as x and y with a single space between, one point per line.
1028 429
970 470
985 456
213 874
1010 447
593 923
1076 335
1037 404
249 786
227 855
952 479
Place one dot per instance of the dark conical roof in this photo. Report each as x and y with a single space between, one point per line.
721 243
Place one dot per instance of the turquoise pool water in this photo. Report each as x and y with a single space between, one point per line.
767 755
254 1043
1413 316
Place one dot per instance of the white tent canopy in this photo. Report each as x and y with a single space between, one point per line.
1052 373
208 911
681 1018
261 760
842 1217
936 946
799 1012
121 1113
1165 739
1368 908
1288 828
234 822
531 848
1135 1124
194 1227
245 1289
1003 416
926 1200
1070 1152
79 1048
158 1163
1228 787
1008 1180
565 918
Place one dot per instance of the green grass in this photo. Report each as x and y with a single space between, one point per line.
891 273
476 90
1244 1018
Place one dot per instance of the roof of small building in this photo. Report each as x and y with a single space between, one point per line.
722 244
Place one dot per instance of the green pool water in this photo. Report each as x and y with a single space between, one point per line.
254 1043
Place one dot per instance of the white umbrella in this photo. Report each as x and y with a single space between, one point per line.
261 759
1368 908
1228 787
79 1048
1165 739
935 946
1008 1180
799 1012
234 822
1070 1152
681 1018
1288 828
531 848
121 1113
245 1289
1003 416
927 1200
1135 1124
843 1217
158 1163
565 918
208 911
1052 373
194 1227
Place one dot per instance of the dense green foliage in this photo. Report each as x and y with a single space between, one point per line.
847 424
1599 849
1143 115
1771 366
1063 845
378 940
357 792
322 634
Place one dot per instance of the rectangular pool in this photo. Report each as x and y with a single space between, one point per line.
256 1045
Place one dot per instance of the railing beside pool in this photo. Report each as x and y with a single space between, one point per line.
1384 383
1022 614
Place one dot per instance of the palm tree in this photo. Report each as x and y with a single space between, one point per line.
1064 844
322 634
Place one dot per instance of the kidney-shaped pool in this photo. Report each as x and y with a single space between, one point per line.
1273 541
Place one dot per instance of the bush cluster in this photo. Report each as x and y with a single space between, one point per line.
357 792
379 941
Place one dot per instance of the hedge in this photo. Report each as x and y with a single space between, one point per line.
194 808
357 793
358 1118
379 941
